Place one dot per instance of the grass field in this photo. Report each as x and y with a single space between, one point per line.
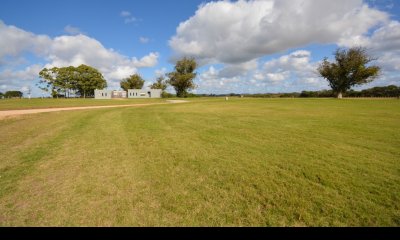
209 162
11 104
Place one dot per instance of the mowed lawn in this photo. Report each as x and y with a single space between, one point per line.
209 162
17 104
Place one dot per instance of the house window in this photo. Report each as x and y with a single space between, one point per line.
102 94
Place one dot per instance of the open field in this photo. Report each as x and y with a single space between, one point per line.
11 104
209 162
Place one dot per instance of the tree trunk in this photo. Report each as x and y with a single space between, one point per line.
339 95
84 94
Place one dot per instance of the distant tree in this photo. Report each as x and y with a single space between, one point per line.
1 95
161 83
134 81
182 78
388 91
349 69
13 94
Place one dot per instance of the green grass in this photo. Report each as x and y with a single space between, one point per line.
15 104
210 162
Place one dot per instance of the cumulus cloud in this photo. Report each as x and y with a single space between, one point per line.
292 72
65 51
237 32
14 41
384 44
29 73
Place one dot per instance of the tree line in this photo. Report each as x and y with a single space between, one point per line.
11 94
391 91
181 79
386 91
83 80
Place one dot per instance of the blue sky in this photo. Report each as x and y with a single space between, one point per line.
242 46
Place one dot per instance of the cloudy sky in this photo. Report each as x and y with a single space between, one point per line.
245 46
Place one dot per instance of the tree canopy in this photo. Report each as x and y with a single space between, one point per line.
349 69
161 83
182 78
134 81
82 80
13 94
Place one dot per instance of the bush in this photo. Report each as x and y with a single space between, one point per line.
167 95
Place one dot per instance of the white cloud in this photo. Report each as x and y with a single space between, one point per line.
65 51
72 30
29 73
14 41
125 14
128 17
236 32
232 70
160 72
385 38
292 72
144 39
146 61
384 44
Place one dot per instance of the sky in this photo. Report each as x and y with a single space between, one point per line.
245 46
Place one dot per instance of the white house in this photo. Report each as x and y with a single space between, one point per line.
144 93
132 93
102 94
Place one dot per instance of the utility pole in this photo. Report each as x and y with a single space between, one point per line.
29 92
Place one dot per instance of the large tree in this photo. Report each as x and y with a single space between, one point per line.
182 78
349 69
83 80
134 81
88 79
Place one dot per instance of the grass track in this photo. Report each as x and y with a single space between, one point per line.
258 162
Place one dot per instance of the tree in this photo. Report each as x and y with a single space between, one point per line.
87 79
349 69
182 78
13 94
160 83
48 81
83 79
1 95
134 81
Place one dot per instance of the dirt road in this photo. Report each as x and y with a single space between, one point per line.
9 113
